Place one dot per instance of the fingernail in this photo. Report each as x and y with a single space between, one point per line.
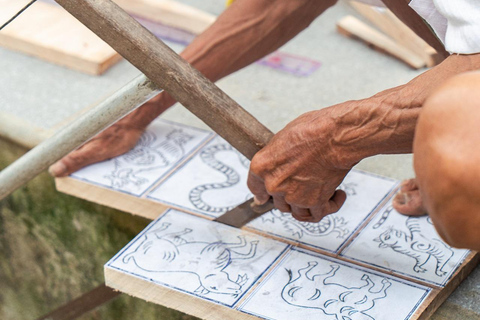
257 202
58 169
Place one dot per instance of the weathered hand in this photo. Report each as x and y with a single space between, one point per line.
114 141
299 168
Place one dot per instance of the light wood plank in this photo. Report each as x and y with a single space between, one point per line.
108 197
352 27
387 22
48 32
170 13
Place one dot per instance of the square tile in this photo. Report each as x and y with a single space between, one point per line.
309 286
210 183
199 257
162 147
406 245
364 193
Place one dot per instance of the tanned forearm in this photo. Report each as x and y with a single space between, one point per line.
385 123
247 31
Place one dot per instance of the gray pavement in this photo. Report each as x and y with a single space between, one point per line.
46 95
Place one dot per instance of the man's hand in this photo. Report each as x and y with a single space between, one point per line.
299 168
115 140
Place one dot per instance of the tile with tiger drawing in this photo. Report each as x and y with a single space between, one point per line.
210 183
162 147
406 245
306 286
197 257
365 192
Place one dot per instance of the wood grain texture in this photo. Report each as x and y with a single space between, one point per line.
170 13
51 34
405 13
170 298
352 27
107 197
170 72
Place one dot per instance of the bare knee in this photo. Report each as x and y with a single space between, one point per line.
447 159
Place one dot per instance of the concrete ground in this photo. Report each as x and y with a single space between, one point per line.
46 97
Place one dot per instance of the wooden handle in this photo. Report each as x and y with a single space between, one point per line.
171 73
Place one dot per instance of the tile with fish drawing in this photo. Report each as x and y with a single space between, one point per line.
198 257
406 245
162 146
364 193
210 183
309 286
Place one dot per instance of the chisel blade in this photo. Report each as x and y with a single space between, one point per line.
244 213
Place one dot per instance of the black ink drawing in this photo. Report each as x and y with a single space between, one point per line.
416 245
208 261
233 178
309 289
328 225
148 155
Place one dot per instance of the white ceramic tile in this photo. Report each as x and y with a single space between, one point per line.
364 193
199 257
163 145
308 286
406 245
210 183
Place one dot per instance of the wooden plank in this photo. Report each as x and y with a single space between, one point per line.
47 32
387 22
110 198
170 13
405 13
352 27
170 72
139 273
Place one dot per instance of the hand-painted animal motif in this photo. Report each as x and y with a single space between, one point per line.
208 157
307 288
416 245
169 252
328 225
148 155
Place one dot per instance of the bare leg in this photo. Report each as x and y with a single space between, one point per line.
447 158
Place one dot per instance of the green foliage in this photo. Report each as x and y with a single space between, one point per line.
53 248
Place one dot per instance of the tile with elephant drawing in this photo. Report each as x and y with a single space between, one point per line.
364 191
406 245
309 286
198 257
162 147
210 183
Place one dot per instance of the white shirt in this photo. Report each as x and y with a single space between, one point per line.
455 22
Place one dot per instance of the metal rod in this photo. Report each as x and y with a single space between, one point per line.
73 135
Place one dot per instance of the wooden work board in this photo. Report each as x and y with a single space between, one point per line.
47 31
364 262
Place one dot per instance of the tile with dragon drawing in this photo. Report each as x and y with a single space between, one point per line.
365 192
309 286
198 257
210 183
162 147
406 245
